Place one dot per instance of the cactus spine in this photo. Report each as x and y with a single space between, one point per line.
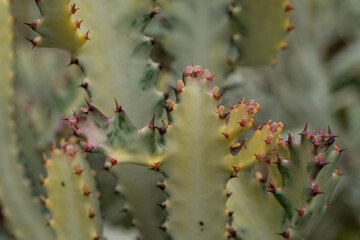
22 213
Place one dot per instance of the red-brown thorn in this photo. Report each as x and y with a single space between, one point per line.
73 9
285 234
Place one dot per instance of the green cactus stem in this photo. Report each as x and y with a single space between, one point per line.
71 195
193 152
187 29
232 33
297 183
22 214
142 199
260 29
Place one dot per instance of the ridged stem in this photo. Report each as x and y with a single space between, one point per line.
22 214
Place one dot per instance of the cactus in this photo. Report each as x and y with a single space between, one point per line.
196 162
23 216
129 62
107 71
292 187
228 32
198 148
71 195
234 33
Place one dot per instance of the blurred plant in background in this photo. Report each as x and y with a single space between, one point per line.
317 80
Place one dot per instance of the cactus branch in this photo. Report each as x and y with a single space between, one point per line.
23 215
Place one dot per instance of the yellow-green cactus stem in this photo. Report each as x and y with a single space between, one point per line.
22 213
257 214
71 195
194 153
106 40
56 27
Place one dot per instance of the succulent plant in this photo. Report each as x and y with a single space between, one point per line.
197 150
129 63
202 160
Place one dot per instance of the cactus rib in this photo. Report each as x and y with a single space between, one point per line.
71 195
